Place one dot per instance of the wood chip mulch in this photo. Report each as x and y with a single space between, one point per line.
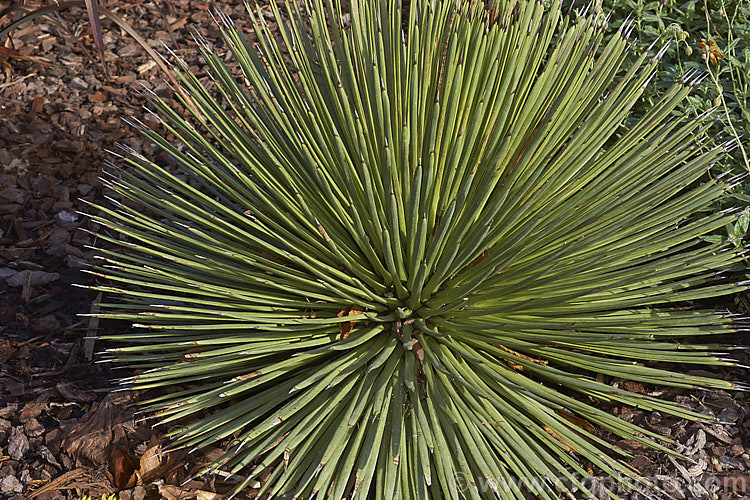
63 433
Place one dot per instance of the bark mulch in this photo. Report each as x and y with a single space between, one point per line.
63 433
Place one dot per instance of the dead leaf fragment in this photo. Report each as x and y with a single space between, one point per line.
154 464
517 366
561 440
91 440
14 54
417 349
169 492
122 465
579 422
346 327
207 495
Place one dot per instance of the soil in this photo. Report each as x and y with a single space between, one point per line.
63 432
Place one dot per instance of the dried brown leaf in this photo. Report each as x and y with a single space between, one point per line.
561 440
93 437
154 464
122 465
580 422
517 366
347 326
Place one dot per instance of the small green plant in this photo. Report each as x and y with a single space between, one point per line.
711 36
104 497
407 253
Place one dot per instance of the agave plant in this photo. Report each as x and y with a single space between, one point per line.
408 253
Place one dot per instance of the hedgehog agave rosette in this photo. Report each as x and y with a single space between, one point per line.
403 252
